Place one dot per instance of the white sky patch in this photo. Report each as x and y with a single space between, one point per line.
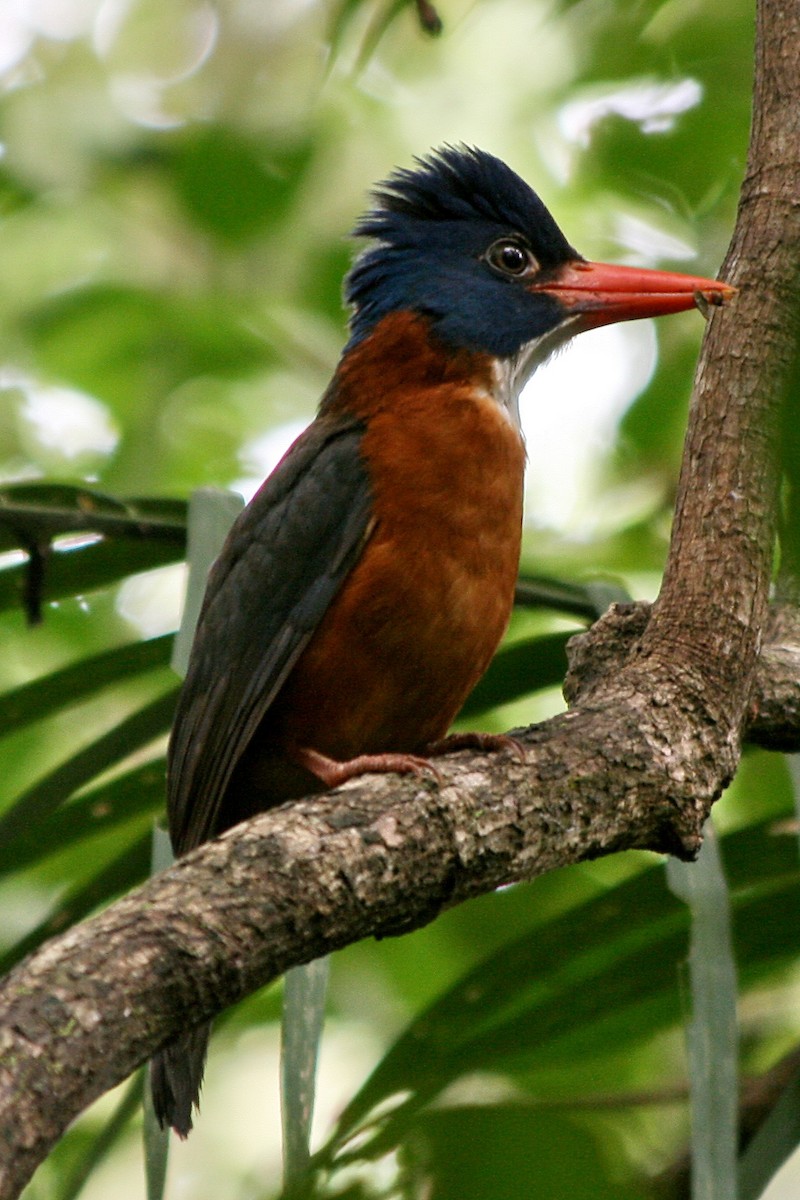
15 37
60 19
241 1103
649 243
653 106
152 601
67 422
22 21
261 455
12 558
139 82
570 413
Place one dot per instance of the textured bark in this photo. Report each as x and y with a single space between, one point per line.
637 763
773 718
378 857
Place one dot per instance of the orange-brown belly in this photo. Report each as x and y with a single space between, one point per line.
420 615
392 663
424 609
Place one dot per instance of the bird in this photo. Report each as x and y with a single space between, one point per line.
364 589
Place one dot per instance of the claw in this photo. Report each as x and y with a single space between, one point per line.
488 743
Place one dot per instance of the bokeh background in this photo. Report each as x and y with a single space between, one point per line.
177 183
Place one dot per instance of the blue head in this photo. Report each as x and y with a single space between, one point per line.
465 242
460 239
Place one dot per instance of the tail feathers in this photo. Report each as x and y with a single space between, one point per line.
176 1074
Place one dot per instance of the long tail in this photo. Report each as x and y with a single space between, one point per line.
176 1075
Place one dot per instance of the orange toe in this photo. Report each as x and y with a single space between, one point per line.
332 772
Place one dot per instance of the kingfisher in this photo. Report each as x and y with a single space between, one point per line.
361 594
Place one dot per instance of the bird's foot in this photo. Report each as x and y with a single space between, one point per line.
488 743
332 771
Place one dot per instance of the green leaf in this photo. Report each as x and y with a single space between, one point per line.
550 997
305 992
33 515
80 570
122 343
118 876
99 810
712 1035
231 185
507 1151
61 689
519 669
41 800
37 512
14 193
588 600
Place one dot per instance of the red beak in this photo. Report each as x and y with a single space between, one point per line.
603 293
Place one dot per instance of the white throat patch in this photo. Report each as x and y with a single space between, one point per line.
511 374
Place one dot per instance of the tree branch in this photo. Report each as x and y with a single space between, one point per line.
638 763
378 857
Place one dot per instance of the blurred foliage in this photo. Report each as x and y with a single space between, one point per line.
175 189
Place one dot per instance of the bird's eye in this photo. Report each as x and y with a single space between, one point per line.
510 257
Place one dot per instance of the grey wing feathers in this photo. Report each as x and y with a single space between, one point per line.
281 566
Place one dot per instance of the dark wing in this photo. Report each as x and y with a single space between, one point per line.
284 560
